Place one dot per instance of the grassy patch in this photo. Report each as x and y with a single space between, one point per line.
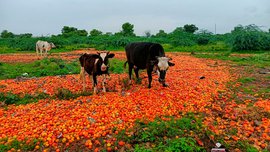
245 146
65 94
170 135
45 67
62 94
117 66
49 67
261 60
246 80
13 144
10 98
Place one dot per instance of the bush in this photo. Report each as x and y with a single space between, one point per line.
250 37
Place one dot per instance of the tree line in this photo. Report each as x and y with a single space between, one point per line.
241 38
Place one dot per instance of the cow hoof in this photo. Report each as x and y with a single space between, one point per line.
165 85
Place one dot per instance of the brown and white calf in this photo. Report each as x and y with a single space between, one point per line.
94 65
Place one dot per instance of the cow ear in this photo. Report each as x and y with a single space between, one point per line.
110 55
171 64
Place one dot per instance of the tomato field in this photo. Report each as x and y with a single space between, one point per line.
207 89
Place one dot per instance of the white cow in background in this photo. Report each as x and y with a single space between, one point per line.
43 47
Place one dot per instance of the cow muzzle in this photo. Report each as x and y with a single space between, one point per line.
161 80
103 67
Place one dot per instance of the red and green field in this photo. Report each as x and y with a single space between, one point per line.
207 101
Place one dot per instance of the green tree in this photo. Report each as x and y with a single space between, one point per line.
190 28
72 31
81 32
95 32
7 34
127 29
68 30
161 33
249 37
203 37
26 35
147 34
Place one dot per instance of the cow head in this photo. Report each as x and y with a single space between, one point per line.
103 60
52 45
163 64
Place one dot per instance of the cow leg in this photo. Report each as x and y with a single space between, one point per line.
82 77
136 70
130 67
103 82
149 73
37 50
94 78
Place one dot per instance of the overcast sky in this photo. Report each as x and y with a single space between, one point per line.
46 17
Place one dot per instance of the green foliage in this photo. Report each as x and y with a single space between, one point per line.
6 34
26 35
258 60
45 67
182 39
162 134
157 129
250 37
48 67
204 37
190 28
246 80
65 94
127 29
116 66
19 145
72 31
10 98
246 147
161 33
95 32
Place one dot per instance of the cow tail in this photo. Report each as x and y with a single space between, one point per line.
82 60
125 64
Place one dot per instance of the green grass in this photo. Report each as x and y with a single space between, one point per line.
10 98
246 80
171 135
217 47
19 145
49 67
259 60
45 67
117 66
61 94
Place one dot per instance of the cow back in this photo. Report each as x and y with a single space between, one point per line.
88 62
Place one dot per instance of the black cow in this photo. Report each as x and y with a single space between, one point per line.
95 64
146 55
